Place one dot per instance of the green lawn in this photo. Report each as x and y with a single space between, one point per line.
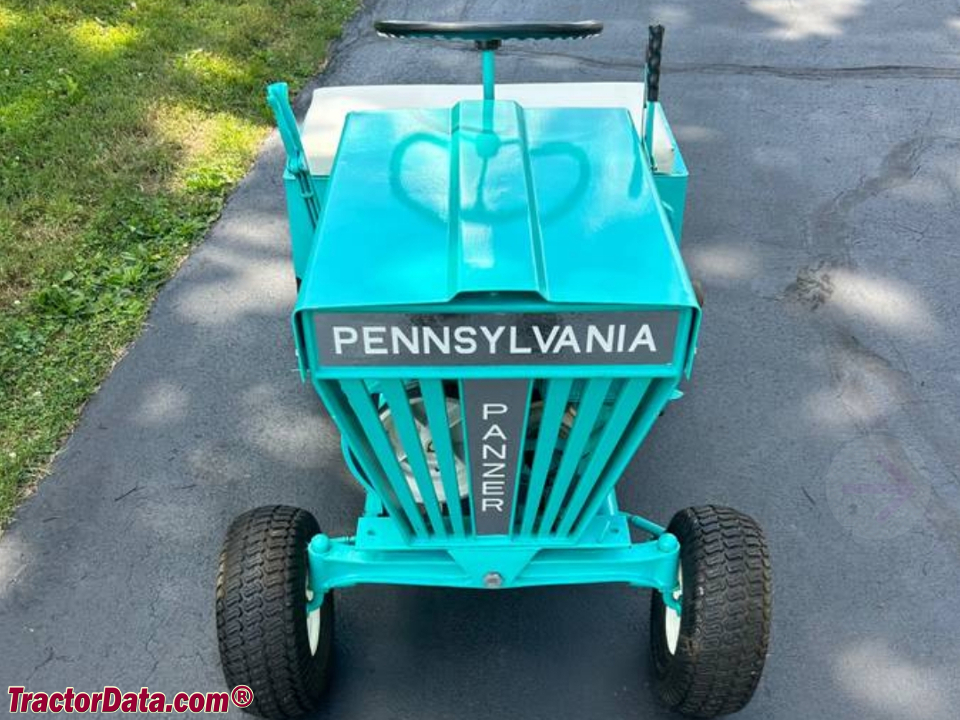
123 126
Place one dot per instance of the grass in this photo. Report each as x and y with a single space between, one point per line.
123 126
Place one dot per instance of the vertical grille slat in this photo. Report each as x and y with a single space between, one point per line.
588 410
362 404
360 447
398 403
555 405
627 400
408 439
437 417
656 395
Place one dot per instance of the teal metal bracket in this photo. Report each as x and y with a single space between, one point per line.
278 97
649 115
647 526
496 563
652 82
488 62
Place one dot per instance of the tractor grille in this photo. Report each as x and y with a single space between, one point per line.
408 440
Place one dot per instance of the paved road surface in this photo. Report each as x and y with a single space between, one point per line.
824 142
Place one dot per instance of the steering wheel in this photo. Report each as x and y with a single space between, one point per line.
489 35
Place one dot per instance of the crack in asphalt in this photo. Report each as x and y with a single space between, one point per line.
831 232
868 72
801 72
860 72
355 36
859 372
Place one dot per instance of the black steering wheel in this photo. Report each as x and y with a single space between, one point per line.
486 34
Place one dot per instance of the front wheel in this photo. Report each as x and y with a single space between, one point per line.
708 658
269 640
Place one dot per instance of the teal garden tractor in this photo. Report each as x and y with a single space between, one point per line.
493 307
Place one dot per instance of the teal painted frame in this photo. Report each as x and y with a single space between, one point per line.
304 191
382 551
379 555
671 186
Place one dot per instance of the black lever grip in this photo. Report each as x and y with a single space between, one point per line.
654 48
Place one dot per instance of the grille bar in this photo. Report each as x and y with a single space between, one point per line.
591 403
626 403
362 403
439 421
361 449
555 405
398 402
408 439
653 401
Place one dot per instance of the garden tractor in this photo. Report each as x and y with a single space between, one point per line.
493 307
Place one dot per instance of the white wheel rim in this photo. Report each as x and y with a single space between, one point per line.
671 620
313 622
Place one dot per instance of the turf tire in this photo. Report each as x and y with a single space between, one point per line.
262 617
725 618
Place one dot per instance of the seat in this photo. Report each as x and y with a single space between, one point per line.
329 107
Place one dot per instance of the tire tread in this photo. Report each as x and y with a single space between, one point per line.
260 612
725 624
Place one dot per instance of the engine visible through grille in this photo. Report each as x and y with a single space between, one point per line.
412 441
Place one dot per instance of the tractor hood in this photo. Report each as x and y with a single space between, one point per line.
423 206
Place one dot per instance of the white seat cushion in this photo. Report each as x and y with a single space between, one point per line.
330 105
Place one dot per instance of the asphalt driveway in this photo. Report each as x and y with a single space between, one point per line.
823 139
